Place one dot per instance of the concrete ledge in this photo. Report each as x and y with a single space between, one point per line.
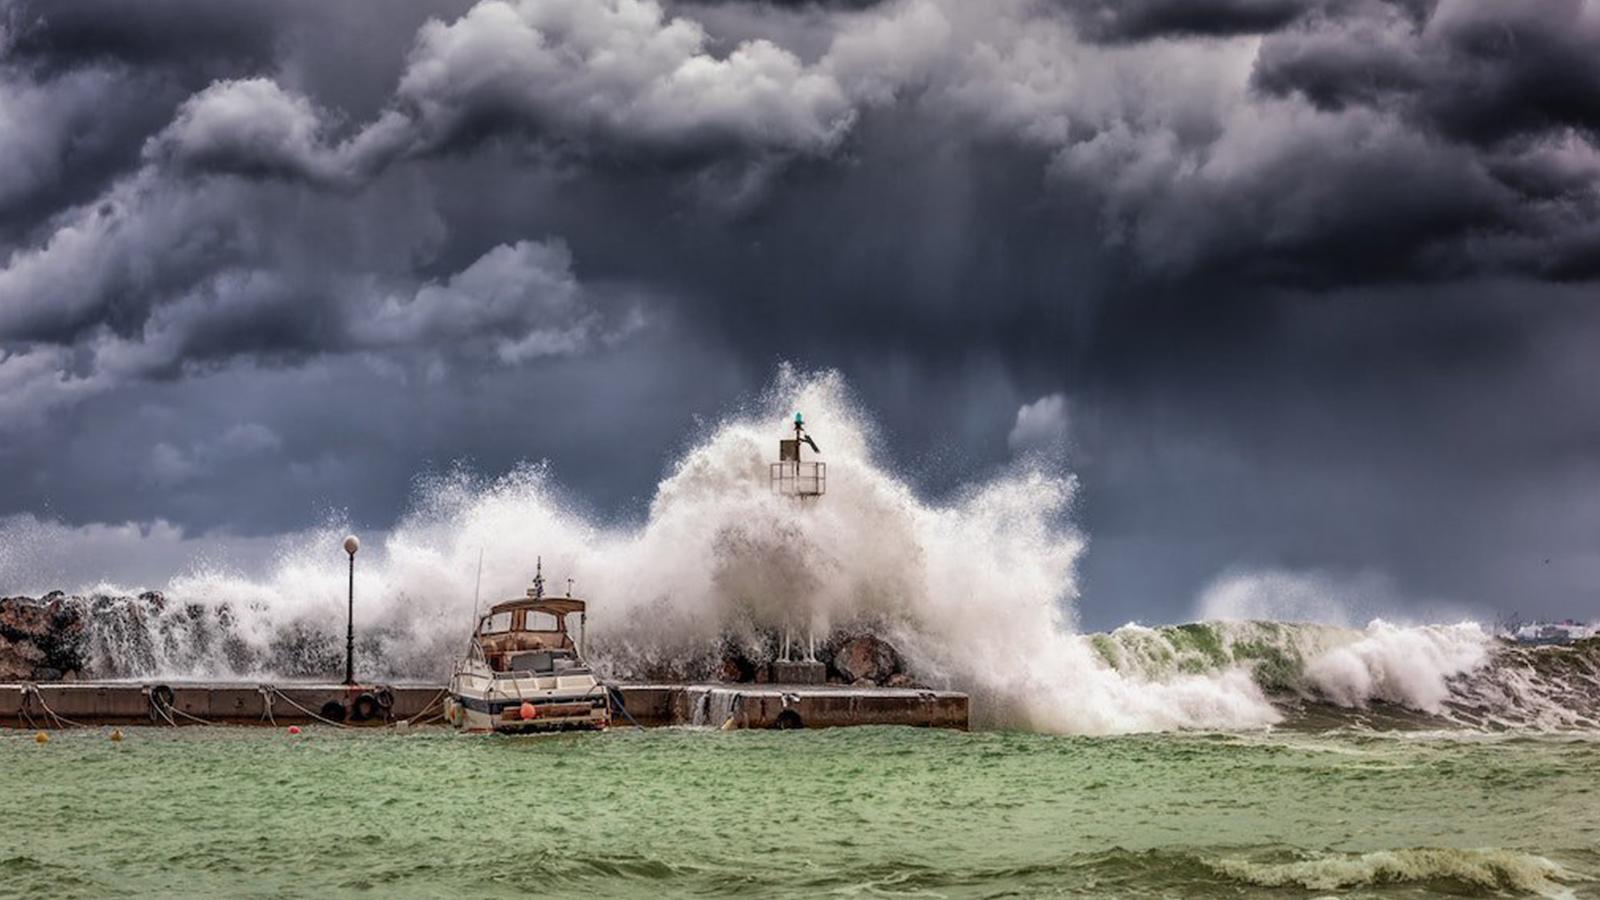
650 705
130 703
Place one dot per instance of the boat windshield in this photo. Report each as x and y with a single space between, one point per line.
530 620
546 662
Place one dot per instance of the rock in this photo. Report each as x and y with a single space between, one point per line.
901 680
866 657
730 670
18 659
863 683
45 673
24 617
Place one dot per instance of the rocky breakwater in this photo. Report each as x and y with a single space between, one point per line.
855 658
64 637
43 639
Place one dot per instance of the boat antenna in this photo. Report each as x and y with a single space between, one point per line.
569 587
537 591
477 586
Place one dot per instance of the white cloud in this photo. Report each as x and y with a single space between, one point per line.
1042 424
250 127
615 70
522 298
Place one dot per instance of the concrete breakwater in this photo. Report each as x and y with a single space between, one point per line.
60 705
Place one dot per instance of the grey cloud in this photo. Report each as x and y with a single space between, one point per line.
609 80
522 299
624 71
204 38
253 128
1475 72
166 277
1294 263
170 466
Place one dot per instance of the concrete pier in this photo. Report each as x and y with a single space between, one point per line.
188 703
60 704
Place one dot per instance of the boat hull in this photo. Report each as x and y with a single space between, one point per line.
477 715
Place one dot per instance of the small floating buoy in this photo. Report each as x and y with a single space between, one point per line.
41 738
116 735
294 729
529 711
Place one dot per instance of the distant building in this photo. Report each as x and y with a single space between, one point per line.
1553 632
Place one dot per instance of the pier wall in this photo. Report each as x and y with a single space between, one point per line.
62 704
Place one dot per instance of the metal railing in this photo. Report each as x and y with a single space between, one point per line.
799 479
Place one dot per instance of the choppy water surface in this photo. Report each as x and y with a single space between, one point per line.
870 811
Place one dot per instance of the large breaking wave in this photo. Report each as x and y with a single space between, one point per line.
977 591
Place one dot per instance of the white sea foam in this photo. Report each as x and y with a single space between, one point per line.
1409 666
1475 869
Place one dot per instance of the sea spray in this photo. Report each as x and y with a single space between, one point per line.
978 591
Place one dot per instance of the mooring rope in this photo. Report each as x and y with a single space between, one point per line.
623 707
34 689
290 700
265 691
192 718
429 705
22 707
437 717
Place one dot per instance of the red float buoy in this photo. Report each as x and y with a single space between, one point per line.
529 711
294 729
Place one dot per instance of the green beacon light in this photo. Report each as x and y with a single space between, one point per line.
799 419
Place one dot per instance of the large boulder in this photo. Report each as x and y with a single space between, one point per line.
22 618
18 659
868 658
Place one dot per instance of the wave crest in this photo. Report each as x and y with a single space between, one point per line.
1476 870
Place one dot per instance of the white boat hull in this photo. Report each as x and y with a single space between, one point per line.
478 716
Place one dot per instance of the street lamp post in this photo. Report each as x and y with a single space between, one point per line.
351 545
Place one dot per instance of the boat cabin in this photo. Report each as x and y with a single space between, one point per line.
531 635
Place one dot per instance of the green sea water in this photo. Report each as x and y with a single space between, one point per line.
865 812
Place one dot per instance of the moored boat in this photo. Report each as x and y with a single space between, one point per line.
524 673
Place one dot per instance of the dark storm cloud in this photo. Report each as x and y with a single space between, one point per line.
1144 19
249 244
203 38
1474 72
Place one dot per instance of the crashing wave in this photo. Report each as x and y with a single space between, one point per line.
977 592
1455 674
1476 870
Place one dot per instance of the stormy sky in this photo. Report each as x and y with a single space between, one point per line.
1293 286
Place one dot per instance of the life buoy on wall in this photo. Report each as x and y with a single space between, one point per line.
365 707
161 698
